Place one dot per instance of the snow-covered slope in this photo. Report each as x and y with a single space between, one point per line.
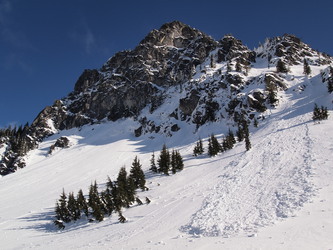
278 195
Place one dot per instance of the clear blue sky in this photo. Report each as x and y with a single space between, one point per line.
46 44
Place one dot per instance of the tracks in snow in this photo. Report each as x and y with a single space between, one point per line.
267 183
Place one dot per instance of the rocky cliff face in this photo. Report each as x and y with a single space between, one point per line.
211 78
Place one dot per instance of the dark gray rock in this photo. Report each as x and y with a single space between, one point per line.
62 142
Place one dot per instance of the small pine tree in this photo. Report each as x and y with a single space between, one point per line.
95 202
173 162
73 207
272 91
179 162
198 149
240 133
247 143
330 85
319 113
238 67
214 146
82 203
164 161
212 61
306 67
116 198
63 212
107 197
246 136
231 141
124 187
137 174
281 67
130 190
229 68
147 200
255 123
152 163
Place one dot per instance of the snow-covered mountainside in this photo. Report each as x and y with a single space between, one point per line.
177 86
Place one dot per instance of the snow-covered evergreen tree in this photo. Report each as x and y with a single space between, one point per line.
137 174
164 161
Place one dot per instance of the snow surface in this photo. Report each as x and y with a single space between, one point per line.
278 195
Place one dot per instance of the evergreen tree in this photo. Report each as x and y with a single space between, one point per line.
59 216
107 198
213 146
240 132
137 174
198 149
306 67
116 198
173 162
126 188
95 202
152 163
212 61
179 162
255 123
63 212
229 141
130 190
247 143
246 136
281 67
82 203
164 161
330 85
73 207
320 113
272 90
57 211
238 67
147 200
229 68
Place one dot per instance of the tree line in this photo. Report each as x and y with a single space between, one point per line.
117 195
167 162
228 142
18 144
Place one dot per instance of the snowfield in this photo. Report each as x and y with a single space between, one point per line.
278 195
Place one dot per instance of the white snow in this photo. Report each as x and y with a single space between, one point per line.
278 195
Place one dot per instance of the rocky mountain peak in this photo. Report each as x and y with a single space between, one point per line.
291 50
231 48
212 80
173 34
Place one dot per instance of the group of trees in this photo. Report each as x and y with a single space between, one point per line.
319 113
19 143
117 195
167 162
228 142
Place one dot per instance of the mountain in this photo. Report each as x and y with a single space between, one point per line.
176 86
215 81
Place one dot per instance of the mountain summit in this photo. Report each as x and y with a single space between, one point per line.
212 81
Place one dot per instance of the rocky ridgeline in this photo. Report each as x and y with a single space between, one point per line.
211 75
